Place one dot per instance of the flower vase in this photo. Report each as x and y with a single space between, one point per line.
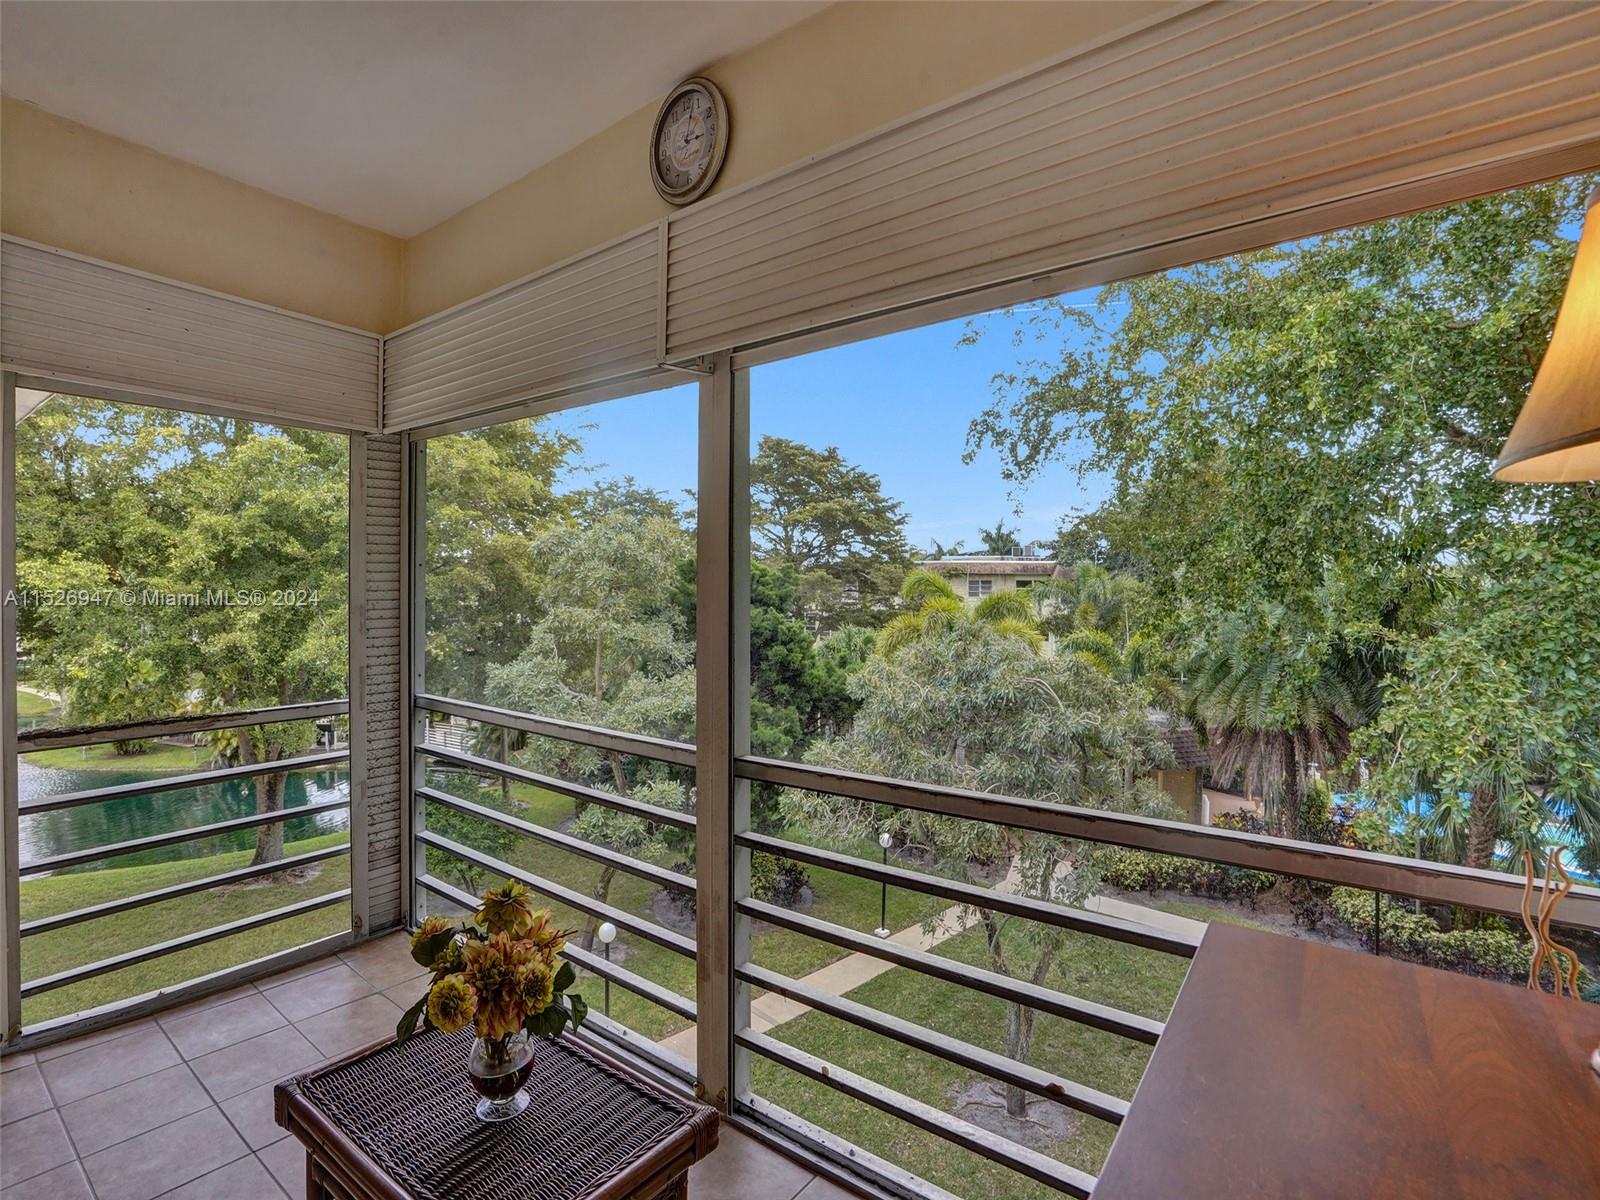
497 1068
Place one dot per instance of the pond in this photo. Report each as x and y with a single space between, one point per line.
42 835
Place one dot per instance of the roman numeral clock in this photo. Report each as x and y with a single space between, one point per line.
689 141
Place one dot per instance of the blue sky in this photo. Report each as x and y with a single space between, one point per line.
896 405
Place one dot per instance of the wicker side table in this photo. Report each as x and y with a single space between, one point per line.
392 1124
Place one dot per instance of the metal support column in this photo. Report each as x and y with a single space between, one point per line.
10 898
722 657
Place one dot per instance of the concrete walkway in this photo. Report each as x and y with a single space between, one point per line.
844 975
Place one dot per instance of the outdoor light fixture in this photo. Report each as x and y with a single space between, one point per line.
607 933
1556 438
884 839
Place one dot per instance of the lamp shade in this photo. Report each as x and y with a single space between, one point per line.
1556 438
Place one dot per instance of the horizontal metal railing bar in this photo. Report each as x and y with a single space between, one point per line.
57 1029
1435 883
924 1116
963 1054
593 963
661 997
63 737
112 907
662 749
78 858
577 791
1114 928
145 953
178 783
616 1037
865 1172
649 930
660 876
1003 987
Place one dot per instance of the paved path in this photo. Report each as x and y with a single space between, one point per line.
844 975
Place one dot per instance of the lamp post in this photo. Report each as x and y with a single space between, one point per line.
882 930
607 933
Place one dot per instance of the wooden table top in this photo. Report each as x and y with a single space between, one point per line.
1290 1069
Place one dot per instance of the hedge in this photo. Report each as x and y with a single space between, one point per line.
1143 871
1491 953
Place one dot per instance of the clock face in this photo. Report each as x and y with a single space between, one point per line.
690 138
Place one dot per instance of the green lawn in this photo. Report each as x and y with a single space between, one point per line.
61 949
31 704
1200 911
1135 980
157 757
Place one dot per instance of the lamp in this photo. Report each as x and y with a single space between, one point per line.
1556 438
885 840
607 933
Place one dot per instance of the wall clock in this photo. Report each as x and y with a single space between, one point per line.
689 140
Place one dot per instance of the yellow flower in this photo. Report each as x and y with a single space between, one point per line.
543 933
538 986
430 928
451 1003
451 959
495 969
507 909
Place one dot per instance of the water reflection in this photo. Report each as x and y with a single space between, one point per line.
42 835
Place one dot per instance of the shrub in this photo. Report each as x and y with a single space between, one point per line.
1493 953
777 880
1144 871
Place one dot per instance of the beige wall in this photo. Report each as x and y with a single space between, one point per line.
69 186
846 71
850 69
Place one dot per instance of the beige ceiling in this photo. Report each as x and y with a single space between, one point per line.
394 115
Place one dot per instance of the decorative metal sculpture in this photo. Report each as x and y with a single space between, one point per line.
1546 948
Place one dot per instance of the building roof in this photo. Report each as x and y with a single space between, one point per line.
993 564
1187 748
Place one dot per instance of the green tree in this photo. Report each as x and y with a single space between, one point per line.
1000 540
967 708
1497 713
1336 400
160 507
490 493
830 521
1277 692
609 650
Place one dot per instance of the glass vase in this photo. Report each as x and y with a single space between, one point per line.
497 1069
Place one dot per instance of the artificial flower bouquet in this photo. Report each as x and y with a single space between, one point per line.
500 972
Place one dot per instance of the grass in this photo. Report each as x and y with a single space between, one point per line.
32 704
1135 980
1199 911
157 757
62 949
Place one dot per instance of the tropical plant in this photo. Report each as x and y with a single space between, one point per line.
1277 693
937 610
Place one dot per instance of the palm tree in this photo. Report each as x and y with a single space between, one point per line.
1275 695
1136 660
999 540
1088 597
938 610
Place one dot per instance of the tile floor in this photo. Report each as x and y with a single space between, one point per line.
180 1105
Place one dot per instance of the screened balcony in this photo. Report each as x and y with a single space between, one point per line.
994 630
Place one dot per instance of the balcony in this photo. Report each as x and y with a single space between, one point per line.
986 598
